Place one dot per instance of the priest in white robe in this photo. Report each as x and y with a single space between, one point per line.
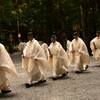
79 54
6 66
95 47
33 59
45 48
58 59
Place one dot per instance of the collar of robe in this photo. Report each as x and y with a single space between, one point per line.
54 42
77 39
31 40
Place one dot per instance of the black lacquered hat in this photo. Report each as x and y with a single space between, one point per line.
53 36
30 33
75 33
98 31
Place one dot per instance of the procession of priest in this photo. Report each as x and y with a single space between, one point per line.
54 57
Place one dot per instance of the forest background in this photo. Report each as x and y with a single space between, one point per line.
47 17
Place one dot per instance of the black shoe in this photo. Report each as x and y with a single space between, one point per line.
5 91
28 85
64 74
86 67
78 72
54 78
41 81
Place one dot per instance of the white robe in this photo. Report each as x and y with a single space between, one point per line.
68 46
59 61
81 55
45 48
6 65
93 43
34 59
22 46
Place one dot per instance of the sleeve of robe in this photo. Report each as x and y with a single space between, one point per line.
68 44
92 46
81 50
20 47
84 53
71 55
40 57
63 56
6 63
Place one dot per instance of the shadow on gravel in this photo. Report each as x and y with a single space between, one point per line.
9 95
37 84
62 77
85 72
96 66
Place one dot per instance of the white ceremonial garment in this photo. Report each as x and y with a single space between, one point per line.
6 65
81 55
59 61
34 59
96 43
67 47
22 46
45 48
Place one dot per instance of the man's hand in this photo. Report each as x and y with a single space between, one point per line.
51 55
95 49
73 51
23 56
35 59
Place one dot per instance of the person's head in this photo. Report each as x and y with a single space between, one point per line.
98 33
75 35
66 38
30 36
53 38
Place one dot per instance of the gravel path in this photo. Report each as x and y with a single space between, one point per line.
85 86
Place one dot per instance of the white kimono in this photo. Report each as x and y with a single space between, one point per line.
95 43
59 61
6 65
67 47
22 46
81 55
34 59
45 48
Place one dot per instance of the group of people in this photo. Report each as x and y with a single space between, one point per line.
53 57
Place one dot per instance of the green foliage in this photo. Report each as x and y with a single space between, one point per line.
46 16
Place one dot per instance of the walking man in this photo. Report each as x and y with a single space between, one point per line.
33 59
95 47
57 58
79 54
6 66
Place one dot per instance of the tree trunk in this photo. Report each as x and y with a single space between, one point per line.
61 14
82 18
62 22
98 3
